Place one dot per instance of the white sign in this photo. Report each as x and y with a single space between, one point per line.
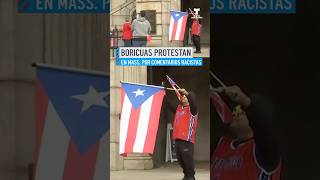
155 52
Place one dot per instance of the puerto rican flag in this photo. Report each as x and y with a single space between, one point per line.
141 107
177 25
221 108
175 87
72 125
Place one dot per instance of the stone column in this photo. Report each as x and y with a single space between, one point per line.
7 94
128 74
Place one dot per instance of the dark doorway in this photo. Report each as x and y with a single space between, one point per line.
274 55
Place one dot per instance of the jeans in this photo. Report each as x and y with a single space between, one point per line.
139 43
196 42
127 43
184 150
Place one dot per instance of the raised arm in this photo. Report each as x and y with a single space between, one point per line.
260 114
191 99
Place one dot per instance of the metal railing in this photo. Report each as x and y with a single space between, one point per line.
115 41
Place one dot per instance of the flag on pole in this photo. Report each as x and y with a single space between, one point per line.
175 87
141 106
72 125
177 26
222 108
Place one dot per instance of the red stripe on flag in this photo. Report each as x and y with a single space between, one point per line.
41 112
221 108
80 167
123 93
183 28
132 129
174 30
153 122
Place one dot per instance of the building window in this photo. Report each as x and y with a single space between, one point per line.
151 17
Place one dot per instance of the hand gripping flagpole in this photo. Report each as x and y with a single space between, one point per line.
237 107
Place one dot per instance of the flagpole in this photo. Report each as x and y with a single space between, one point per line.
217 79
143 85
65 68
169 89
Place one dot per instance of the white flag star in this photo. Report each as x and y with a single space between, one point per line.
139 92
92 98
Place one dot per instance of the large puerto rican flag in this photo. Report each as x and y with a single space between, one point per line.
72 125
141 107
177 25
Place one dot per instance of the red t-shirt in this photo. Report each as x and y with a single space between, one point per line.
238 163
196 28
185 124
126 31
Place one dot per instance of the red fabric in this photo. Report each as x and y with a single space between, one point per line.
221 108
149 38
229 163
185 124
196 28
126 31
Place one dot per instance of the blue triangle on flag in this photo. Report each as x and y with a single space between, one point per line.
138 94
177 15
82 103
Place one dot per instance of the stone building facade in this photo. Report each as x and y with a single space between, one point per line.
121 9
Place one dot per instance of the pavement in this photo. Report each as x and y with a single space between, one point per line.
170 171
205 52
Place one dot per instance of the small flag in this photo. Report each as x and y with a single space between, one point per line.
72 125
175 87
141 107
221 107
177 26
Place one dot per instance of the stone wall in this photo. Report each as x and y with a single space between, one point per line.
128 74
68 40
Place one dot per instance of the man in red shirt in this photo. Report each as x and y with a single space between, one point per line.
127 33
184 132
250 151
196 29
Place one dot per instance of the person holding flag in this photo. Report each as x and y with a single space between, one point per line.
250 151
196 29
184 129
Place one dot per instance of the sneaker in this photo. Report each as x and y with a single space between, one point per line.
188 178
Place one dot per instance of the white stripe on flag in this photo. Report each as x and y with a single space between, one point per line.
124 122
171 28
179 26
54 147
102 161
143 125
